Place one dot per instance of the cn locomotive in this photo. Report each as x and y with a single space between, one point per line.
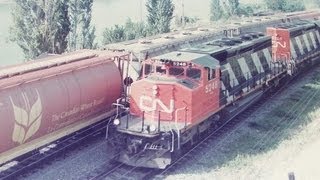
183 94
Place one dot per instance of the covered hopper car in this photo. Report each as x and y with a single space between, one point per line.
52 97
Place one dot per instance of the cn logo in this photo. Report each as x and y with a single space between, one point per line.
149 104
278 41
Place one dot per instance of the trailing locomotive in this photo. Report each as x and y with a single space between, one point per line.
183 94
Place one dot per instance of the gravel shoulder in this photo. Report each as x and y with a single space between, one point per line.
280 137
76 164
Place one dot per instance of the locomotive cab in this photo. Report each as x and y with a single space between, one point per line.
176 91
173 90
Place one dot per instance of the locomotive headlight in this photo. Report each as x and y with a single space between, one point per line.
154 92
116 122
154 87
153 128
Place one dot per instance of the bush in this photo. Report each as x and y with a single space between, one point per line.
285 5
131 30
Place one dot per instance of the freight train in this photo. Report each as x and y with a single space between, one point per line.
186 93
44 100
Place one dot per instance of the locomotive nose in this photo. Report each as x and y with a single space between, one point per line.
152 100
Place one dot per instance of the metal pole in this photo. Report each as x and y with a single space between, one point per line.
159 122
185 118
142 121
127 125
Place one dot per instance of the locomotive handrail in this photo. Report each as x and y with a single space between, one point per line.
176 124
159 122
172 140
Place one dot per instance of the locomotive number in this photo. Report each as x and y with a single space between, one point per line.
211 87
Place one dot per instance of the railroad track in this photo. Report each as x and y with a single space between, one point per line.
119 171
42 157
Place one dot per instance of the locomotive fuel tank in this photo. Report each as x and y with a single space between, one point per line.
47 99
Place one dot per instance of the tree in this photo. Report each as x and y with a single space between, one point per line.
88 32
40 26
247 10
134 30
131 30
293 5
74 16
285 5
179 22
234 7
216 10
160 14
112 35
82 34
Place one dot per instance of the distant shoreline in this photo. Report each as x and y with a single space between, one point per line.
6 1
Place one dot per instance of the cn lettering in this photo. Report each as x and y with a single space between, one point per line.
278 41
149 104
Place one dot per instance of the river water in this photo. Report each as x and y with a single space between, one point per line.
106 13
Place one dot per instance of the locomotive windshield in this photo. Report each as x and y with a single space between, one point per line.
176 71
194 73
173 71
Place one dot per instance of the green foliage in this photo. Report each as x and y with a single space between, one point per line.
234 7
61 24
216 10
129 31
246 10
82 34
285 5
40 26
135 30
114 34
293 5
88 32
224 9
160 14
187 20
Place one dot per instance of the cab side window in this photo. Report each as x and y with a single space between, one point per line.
161 70
211 73
147 69
194 73
176 71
